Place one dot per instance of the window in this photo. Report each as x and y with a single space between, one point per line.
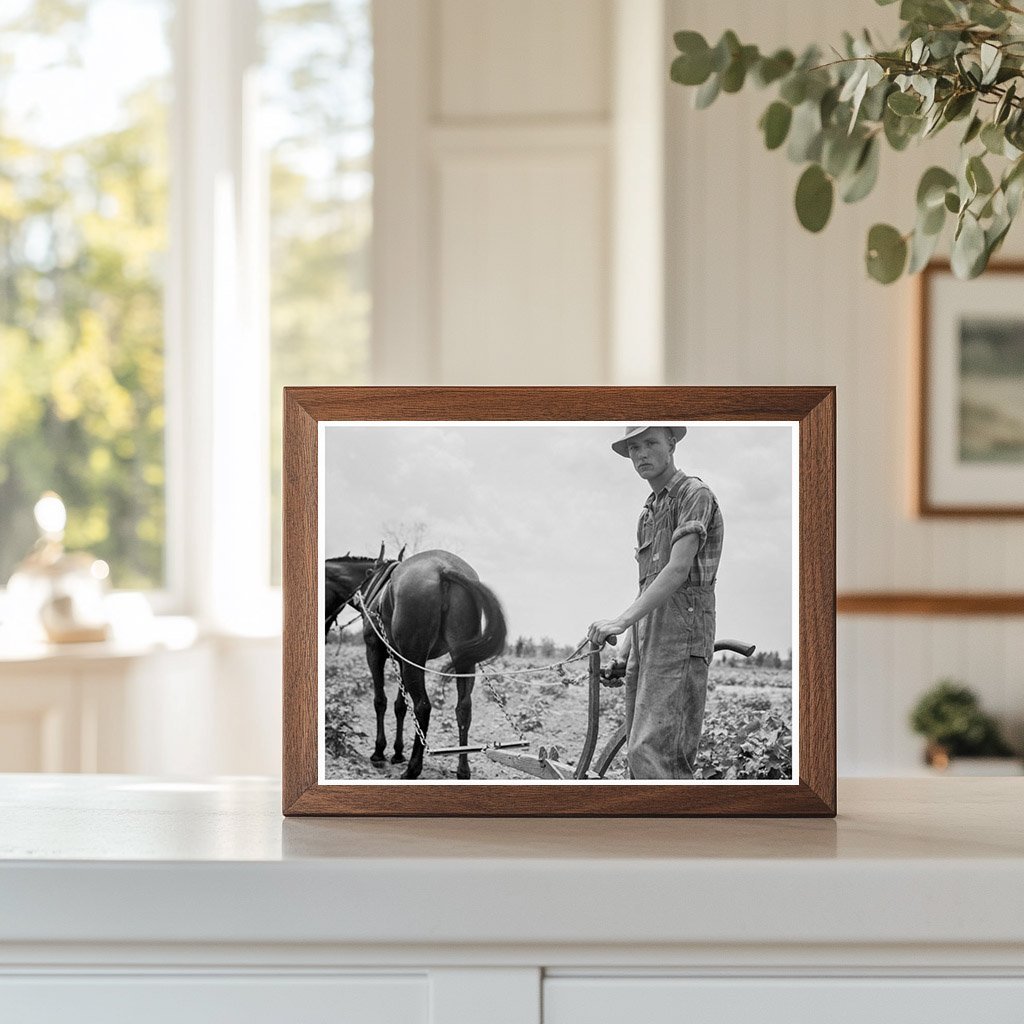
317 117
185 221
83 237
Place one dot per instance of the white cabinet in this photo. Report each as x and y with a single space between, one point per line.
202 999
99 707
823 1000
173 704
131 898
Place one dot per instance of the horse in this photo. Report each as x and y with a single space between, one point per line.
343 576
431 604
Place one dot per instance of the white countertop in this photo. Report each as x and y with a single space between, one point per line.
124 859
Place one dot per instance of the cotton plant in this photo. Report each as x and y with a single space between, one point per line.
957 62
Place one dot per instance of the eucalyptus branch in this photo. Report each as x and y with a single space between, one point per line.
833 117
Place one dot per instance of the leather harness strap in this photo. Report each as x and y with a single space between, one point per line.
377 583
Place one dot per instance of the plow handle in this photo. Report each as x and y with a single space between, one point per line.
736 646
593 713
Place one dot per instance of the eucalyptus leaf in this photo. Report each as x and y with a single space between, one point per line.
900 130
865 173
691 68
814 194
991 60
1013 187
794 88
688 41
966 188
725 49
922 248
1004 106
707 93
827 106
993 138
886 253
775 123
933 122
735 74
873 106
931 12
1013 191
978 176
904 103
771 69
972 132
968 246
943 44
958 105
925 88
987 15
840 152
805 133
931 190
932 221
995 233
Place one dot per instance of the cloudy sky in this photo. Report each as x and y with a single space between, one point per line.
546 514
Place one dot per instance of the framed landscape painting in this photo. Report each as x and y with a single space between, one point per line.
970 444
559 601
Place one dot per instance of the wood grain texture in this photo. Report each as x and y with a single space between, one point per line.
299 574
923 504
812 407
817 603
924 603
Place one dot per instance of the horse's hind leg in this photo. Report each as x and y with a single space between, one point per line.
400 707
464 713
376 656
416 688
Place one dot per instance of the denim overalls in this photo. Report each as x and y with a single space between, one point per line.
667 674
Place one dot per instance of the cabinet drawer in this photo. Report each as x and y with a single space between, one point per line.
222 999
667 1000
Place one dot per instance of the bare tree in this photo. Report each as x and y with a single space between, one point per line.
401 534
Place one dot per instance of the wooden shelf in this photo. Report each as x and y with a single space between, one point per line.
928 603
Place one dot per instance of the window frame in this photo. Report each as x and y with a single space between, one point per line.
217 351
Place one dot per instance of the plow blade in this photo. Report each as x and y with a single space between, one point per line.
540 767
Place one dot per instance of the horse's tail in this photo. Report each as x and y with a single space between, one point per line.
490 639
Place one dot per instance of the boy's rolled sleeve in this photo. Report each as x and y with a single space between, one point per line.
694 516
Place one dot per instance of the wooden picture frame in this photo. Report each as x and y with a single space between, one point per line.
310 412
962 449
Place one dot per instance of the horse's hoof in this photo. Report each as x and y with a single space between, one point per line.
409 774
377 757
398 759
462 773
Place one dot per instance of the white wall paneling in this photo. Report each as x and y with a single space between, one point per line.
522 284
752 298
518 202
531 59
638 182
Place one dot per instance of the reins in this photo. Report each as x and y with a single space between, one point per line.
370 616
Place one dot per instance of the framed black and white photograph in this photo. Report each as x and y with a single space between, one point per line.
970 450
559 601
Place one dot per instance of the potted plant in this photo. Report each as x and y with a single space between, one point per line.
950 717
